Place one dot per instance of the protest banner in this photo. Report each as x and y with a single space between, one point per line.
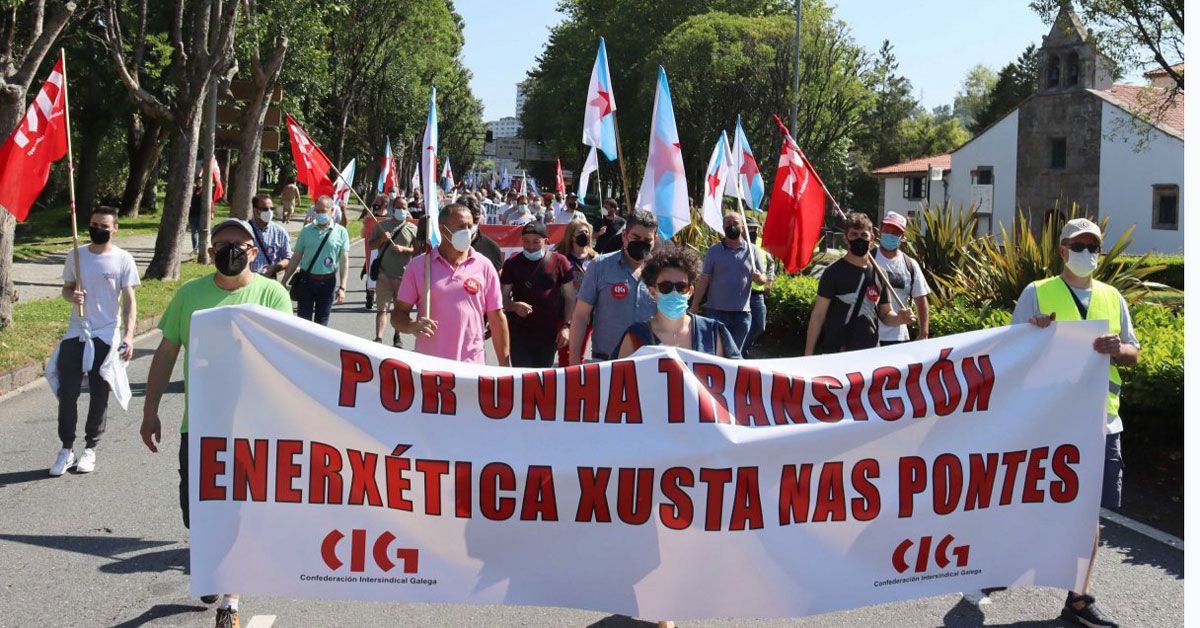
509 236
671 484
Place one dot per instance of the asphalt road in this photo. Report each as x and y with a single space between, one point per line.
109 549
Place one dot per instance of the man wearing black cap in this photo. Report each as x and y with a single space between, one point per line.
539 297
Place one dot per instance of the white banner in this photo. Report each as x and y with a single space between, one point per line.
669 485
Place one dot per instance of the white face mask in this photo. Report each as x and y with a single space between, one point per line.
1083 263
266 215
461 240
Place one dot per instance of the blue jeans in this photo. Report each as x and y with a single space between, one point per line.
194 228
738 324
315 299
758 319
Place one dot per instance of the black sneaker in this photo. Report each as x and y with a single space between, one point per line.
396 341
370 299
227 618
1090 615
209 599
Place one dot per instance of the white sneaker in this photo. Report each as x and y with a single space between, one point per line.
66 458
87 461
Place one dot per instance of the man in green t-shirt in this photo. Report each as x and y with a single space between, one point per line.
233 284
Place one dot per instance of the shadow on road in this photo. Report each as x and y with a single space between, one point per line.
967 615
21 477
113 547
1138 549
138 389
621 621
160 611
160 561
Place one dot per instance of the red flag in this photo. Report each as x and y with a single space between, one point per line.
39 140
797 208
218 185
560 186
312 166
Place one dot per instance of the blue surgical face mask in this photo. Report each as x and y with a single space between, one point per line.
673 305
534 256
889 241
321 219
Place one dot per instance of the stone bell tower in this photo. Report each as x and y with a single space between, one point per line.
1068 60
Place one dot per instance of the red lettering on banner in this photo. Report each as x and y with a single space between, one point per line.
676 512
539 501
982 478
748 397
496 477
356 369
1034 474
673 369
1012 461
624 404
980 379
358 550
210 467
462 490
593 495
867 506
912 482
886 378
831 494
250 469
437 388
713 406
286 470
829 410
947 483
363 488
854 396
496 396
1067 487
433 470
716 479
787 399
746 512
582 393
395 385
324 474
394 467
913 386
538 395
793 493
635 495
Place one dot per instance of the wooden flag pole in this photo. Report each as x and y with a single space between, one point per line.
428 260
62 57
737 178
621 164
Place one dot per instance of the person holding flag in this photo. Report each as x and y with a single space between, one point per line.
731 269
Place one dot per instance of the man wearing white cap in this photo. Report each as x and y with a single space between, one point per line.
1075 295
905 276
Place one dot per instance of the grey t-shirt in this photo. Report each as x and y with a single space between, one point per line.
728 269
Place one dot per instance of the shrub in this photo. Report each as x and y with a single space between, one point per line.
959 317
1171 274
1152 393
940 239
789 305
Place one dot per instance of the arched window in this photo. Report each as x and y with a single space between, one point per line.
1072 69
1053 71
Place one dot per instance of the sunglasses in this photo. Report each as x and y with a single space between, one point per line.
1080 247
667 287
221 246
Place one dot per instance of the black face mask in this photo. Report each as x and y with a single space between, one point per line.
99 236
637 249
859 246
231 260
732 232
582 239
572 204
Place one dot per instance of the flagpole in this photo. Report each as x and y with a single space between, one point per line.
62 57
737 178
621 164
428 259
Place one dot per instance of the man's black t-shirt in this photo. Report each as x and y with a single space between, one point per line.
488 248
842 283
611 240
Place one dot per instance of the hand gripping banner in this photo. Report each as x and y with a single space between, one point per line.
669 485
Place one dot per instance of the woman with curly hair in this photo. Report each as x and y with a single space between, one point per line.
671 273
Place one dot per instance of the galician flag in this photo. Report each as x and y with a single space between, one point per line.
599 123
715 177
341 188
585 175
746 171
447 176
429 169
664 189
388 180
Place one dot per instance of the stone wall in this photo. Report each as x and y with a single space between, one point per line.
1077 116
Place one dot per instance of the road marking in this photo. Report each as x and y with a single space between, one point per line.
261 621
1141 528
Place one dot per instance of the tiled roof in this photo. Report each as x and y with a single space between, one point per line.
916 166
1159 72
1160 106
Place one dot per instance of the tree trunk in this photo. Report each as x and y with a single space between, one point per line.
185 141
12 101
87 179
150 194
143 159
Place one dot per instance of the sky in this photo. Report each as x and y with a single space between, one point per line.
936 41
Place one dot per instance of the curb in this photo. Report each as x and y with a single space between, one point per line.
14 380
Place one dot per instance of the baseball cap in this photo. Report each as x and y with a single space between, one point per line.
896 220
233 222
535 228
1078 227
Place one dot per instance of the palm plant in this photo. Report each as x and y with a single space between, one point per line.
940 241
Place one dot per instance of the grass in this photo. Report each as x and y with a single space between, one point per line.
39 325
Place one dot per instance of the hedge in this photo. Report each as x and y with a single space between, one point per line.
1172 275
1152 394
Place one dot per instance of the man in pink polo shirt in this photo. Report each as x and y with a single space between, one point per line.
465 288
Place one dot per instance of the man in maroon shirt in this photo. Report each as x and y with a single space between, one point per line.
539 297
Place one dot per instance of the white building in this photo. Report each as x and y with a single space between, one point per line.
1114 150
508 126
906 187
